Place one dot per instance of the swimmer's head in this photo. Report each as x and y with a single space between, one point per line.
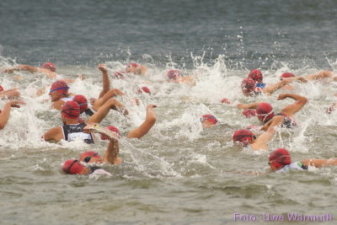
249 113
49 66
91 157
82 101
243 136
248 86
225 100
173 74
286 75
113 129
279 158
208 120
58 90
1 88
59 86
264 112
256 75
71 110
72 166
144 90
135 68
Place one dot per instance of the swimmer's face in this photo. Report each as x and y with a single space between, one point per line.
274 165
207 124
55 95
134 68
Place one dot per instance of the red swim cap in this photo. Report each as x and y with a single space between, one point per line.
244 136
1 88
210 118
248 85
173 74
82 101
133 65
279 158
225 100
113 129
264 111
256 75
71 110
72 166
60 86
86 156
249 113
287 75
145 90
49 66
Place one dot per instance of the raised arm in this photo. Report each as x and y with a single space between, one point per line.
105 108
5 113
111 153
261 143
105 79
295 107
21 67
108 95
271 88
31 69
148 123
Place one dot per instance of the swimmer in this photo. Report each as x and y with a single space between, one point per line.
83 103
288 75
322 75
87 159
143 129
5 112
249 88
59 94
176 76
208 121
73 126
264 111
225 100
246 138
136 69
112 133
257 76
280 161
106 92
47 68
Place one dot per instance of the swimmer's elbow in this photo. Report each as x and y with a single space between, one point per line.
304 100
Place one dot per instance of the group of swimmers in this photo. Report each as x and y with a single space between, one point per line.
82 117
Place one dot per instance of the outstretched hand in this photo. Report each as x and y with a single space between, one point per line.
102 68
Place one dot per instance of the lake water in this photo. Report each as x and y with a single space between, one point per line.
179 173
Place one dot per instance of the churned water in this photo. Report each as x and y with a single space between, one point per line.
179 173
